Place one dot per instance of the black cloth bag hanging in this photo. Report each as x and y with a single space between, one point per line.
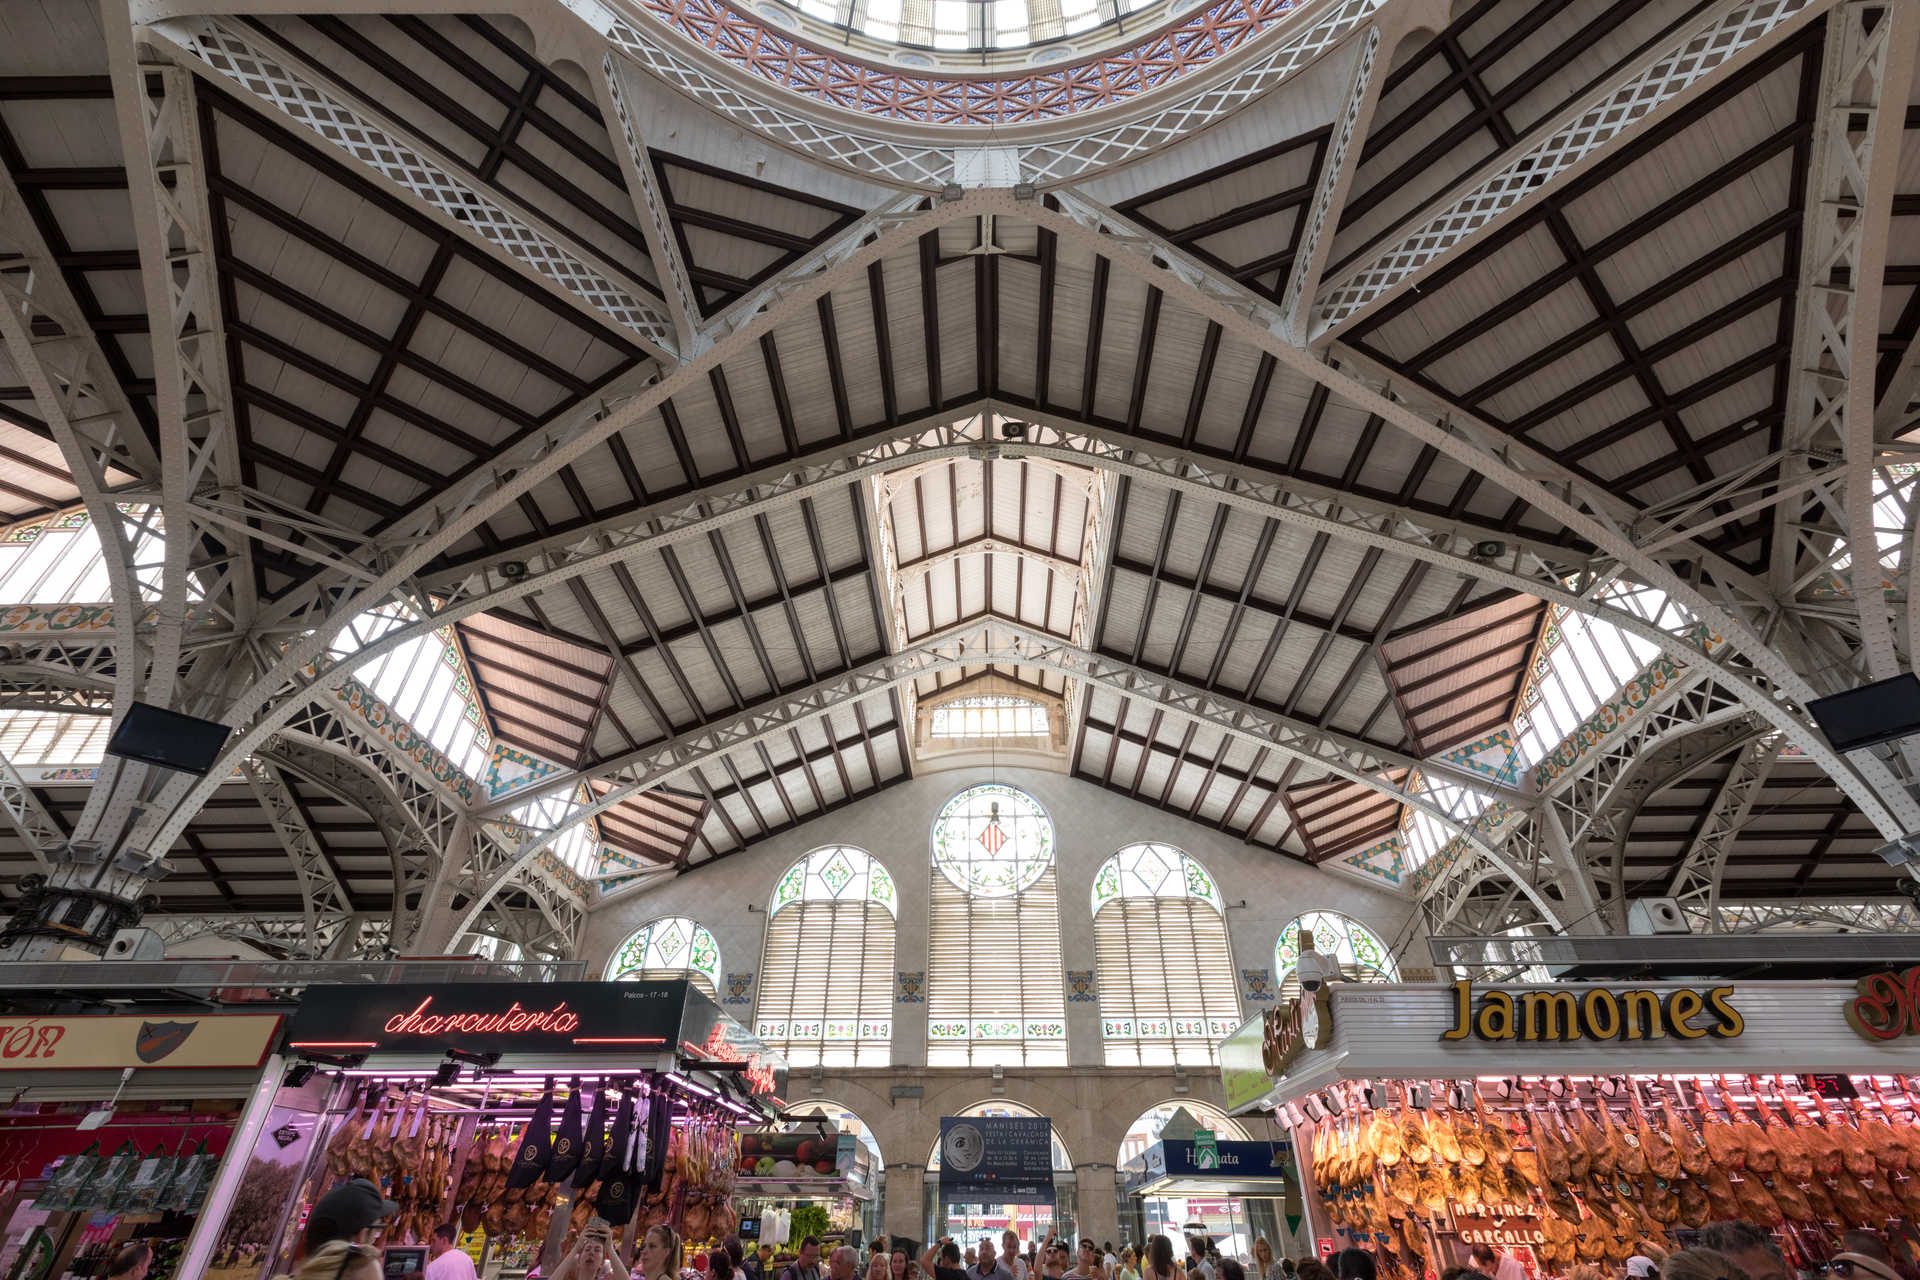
659 1136
566 1142
619 1185
536 1144
594 1148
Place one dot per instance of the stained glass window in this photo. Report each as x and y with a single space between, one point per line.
670 947
826 973
1165 968
996 991
992 841
1361 954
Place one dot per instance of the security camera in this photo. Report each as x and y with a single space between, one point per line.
1317 970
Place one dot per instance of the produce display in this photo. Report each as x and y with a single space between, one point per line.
1607 1169
654 1166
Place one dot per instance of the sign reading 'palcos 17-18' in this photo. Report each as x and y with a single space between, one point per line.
1597 1013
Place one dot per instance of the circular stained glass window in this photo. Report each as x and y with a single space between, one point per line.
992 841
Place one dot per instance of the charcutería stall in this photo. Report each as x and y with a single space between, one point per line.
116 1131
1585 1122
520 1111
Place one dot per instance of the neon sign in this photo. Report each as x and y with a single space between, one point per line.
558 1020
719 1049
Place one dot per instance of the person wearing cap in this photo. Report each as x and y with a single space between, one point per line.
1641 1267
444 1262
353 1211
1860 1266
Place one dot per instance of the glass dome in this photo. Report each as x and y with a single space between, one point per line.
965 24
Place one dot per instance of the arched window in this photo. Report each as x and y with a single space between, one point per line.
1358 949
826 975
1062 1161
995 992
670 947
1167 991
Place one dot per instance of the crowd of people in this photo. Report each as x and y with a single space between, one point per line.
342 1231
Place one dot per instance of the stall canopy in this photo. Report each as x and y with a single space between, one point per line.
1182 1167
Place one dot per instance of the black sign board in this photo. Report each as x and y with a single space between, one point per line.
1831 1086
491 1017
996 1159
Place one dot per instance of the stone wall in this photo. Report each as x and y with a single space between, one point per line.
1091 1105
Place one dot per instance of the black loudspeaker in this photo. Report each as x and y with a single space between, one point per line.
157 736
1878 712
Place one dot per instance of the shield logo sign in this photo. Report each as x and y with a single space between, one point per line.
158 1039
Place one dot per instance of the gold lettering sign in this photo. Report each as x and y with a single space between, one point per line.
1545 1017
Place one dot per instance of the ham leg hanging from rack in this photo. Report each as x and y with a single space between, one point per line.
1688 1148
1656 1148
1761 1156
1728 1149
1796 1154
1835 1145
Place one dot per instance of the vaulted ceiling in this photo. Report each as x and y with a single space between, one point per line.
1630 329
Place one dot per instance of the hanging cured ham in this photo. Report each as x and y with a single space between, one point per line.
1656 1147
1688 1148
1793 1152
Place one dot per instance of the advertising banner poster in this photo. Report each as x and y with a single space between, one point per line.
996 1159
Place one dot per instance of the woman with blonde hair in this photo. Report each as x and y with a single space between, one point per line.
341 1260
659 1254
1265 1267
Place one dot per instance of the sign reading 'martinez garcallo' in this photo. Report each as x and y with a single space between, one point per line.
1596 1013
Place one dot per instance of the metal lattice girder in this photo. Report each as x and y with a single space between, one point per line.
88 414
1865 76
1683 64
289 934
1753 671
1892 915
911 158
28 817
251 64
1336 175
305 667
326 905
980 644
199 445
1699 876
649 206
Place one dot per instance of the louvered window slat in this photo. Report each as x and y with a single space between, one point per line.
826 995
1165 966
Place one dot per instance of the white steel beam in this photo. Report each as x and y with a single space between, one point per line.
325 904
28 817
1753 671
1698 880
1336 175
304 667
253 66
1867 72
978 644
1680 66
649 206
55 352
199 445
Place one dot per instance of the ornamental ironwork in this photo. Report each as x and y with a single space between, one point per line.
841 81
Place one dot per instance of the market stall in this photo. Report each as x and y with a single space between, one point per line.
1585 1122
116 1132
817 1165
1226 1189
520 1112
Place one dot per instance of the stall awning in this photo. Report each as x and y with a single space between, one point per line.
1182 1168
